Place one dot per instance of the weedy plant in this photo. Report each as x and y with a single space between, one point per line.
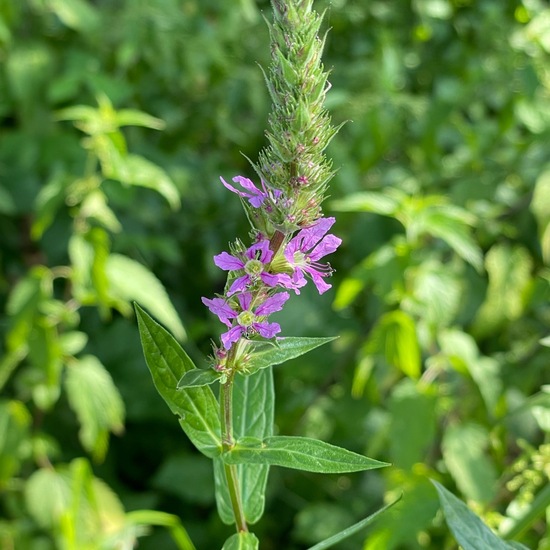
288 242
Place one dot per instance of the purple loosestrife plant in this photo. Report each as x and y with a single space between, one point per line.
289 240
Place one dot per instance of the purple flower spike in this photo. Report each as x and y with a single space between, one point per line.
254 262
306 248
246 320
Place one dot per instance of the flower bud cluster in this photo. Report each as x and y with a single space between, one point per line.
290 235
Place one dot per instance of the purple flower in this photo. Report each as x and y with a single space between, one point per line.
306 248
245 321
255 197
256 258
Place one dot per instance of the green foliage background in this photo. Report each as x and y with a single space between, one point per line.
441 294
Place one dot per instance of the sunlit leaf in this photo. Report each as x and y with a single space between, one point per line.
242 541
197 408
131 281
94 397
300 453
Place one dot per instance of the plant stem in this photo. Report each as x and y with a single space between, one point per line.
231 473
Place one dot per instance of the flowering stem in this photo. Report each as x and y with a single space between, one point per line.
231 474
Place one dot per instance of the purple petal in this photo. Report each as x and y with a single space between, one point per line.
254 195
231 188
219 307
269 279
244 299
265 253
318 281
239 284
231 336
314 233
228 262
272 304
328 245
267 330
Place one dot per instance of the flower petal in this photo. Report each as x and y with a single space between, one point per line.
269 279
267 330
319 282
231 336
219 307
244 299
328 245
272 304
228 262
265 253
239 284
314 233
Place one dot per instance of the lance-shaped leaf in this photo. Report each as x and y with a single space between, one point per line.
242 541
168 362
253 412
300 453
468 529
198 377
352 529
284 350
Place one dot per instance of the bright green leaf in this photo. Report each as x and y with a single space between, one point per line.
469 531
242 541
198 377
301 453
284 350
132 117
464 451
131 281
94 397
367 201
76 14
197 408
15 422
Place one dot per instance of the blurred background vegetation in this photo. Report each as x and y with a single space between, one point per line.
117 118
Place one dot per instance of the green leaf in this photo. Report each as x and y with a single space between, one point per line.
138 171
394 337
197 408
284 350
132 117
162 519
352 529
48 201
468 529
76 14
368 201
253 415
198 377
464 451
242 541
94 397
509 269
301 453
15 423
131 281
7 204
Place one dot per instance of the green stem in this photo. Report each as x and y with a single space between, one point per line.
231 474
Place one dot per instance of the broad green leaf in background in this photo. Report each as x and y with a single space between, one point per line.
94 397
463 354
76 14
394 337
464 451
368 201
540 206
284 349
301 453
15 423
509 270
469 531
131 281
242 541
197 408
48 201
413 423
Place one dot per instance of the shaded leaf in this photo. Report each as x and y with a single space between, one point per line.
198 377
469 531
